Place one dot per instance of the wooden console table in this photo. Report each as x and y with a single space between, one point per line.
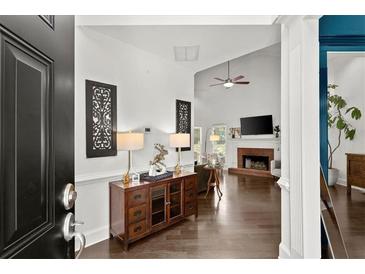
138 210
355 171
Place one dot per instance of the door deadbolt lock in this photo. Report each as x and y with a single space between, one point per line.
69 196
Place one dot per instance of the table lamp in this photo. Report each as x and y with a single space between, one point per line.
128 141
214 138
179 140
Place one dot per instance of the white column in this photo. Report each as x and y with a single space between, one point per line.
310 139
284 248
300 138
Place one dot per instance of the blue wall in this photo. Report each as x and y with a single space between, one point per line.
342 25
336 33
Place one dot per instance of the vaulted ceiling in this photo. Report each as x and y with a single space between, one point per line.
219 38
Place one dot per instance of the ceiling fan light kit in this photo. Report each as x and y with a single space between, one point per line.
228 83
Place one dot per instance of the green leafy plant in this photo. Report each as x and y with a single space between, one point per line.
277 130
338 115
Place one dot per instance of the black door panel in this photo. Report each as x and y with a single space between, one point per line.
26 102
36 126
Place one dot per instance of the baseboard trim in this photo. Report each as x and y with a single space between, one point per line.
295 255
284 183
284 252
94 236
342 182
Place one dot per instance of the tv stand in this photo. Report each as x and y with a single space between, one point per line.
138 210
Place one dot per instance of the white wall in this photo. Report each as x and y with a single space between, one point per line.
348 70
147 87
218 105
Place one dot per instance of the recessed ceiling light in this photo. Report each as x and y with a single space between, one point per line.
186 53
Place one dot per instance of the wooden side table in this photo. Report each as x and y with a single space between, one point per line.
355 171
213 181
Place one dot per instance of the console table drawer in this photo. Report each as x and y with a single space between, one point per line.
189 182
137 197
190 195
137 229
190 208
136 214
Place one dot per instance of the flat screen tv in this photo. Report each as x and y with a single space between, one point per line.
256 125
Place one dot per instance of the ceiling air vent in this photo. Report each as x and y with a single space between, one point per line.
188 53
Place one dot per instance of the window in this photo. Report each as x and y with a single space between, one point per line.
219 147
197 143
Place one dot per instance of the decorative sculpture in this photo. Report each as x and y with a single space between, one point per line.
157 167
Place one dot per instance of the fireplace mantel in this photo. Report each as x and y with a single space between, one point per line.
264 138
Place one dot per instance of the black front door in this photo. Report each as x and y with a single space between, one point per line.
36 134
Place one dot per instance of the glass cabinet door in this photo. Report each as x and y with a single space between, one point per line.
175 199
158 208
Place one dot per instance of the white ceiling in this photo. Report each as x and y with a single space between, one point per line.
217 43
173 20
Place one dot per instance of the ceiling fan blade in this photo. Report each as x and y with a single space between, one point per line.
238 78
219 79
241 83
216 84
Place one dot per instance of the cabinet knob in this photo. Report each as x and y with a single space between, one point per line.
137 213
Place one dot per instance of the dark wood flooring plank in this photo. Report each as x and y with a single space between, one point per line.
350 211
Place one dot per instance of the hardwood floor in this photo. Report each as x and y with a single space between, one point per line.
350 212
244 224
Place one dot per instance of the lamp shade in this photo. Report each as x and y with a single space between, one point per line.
214 138
180 140
130 141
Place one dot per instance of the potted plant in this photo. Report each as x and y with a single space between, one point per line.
277 130
338 118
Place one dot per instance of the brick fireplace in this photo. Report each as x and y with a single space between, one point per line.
253 161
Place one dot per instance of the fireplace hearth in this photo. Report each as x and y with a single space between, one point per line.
253 161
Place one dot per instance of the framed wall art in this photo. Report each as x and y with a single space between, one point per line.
101 119
235 132
183 119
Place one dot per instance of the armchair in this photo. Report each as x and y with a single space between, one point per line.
275 168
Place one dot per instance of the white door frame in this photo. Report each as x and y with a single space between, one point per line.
300 192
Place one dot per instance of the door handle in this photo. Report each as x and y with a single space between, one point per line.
77 223
69 232
82 240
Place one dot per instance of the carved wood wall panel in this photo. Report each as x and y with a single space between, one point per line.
183 119
101 119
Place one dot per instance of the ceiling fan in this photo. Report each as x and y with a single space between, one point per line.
229 82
